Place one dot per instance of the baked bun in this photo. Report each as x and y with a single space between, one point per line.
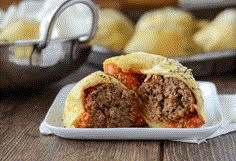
201 23
114 29
101 101
170 18
169 43
166 32
21 30
170 95
220 34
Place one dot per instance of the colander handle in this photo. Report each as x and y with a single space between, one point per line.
53 17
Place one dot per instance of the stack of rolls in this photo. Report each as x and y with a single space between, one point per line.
154 92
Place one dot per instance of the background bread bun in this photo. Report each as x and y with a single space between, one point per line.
114 29
220 34
166 32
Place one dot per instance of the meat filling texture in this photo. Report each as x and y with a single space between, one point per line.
167 100
110 105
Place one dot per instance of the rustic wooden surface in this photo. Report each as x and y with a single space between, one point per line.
22 113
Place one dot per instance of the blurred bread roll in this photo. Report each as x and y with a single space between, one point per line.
166 32
220 34
167 18
152 41
114 29
202 23
21 30
168 43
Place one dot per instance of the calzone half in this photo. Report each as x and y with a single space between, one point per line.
101 101
170 96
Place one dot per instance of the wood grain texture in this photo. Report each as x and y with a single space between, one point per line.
220 148
20 138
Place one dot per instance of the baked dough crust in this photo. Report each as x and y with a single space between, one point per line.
74 102
150 64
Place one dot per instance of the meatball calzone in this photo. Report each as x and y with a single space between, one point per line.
169 94
101 101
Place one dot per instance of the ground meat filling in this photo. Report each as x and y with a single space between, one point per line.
110 105
166 99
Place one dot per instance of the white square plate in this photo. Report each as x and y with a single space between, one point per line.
53 122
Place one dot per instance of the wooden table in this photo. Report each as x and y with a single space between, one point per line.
20 139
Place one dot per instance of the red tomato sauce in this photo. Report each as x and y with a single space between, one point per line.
85 118
193 122
130 79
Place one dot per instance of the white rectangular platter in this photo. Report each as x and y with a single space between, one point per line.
53 122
